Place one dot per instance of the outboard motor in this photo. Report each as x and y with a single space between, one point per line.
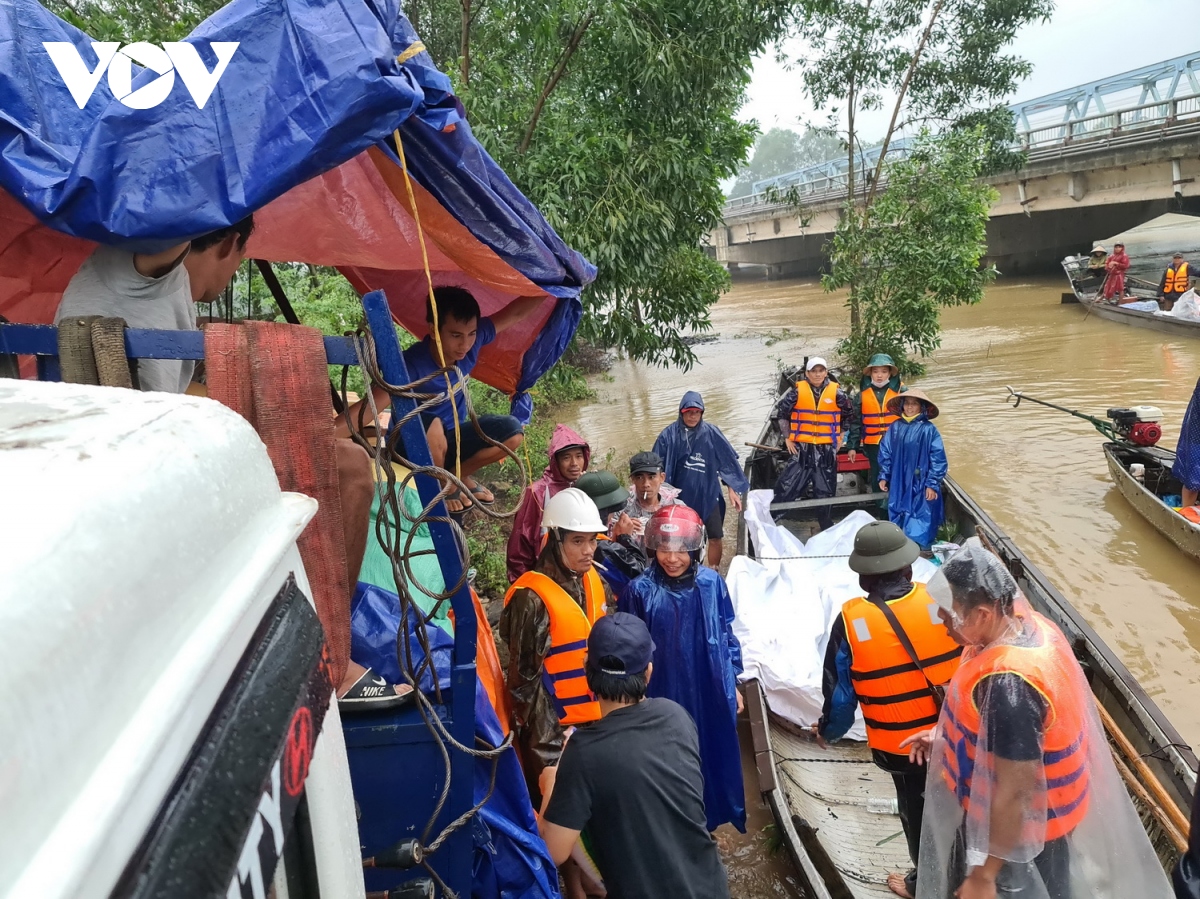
1139 424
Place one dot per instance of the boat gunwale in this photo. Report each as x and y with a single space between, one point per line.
1148 504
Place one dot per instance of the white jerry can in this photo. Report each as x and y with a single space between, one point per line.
165 709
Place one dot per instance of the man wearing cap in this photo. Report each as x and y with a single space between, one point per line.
869 661
618 558
817 417
633 780
1175 282
880 383
648 491
697 458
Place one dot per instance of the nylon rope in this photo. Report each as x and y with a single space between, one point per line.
437 330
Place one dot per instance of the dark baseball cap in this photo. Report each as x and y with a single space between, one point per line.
623 642
645 461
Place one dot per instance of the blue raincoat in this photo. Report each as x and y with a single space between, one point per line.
911 458
1187 459
698 459
697 660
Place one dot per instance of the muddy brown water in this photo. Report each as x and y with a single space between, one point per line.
1040 474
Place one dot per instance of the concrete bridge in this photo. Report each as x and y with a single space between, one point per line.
1102 157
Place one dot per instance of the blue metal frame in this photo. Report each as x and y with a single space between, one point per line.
397 771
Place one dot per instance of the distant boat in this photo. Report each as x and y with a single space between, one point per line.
1150 247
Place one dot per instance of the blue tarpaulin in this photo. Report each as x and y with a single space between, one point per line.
311 85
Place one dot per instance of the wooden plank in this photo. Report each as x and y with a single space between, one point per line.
851 499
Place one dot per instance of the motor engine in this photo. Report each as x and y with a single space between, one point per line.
1139 424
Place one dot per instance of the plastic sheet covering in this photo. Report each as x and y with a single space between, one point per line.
1187 458
1028 777
786 601
1150 245
1186 308
510 858
312 85
697 660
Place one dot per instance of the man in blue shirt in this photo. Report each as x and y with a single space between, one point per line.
462 332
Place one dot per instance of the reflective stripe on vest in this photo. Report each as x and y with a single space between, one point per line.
562 669
1177 279
875 417
1064 742
893 693
819 422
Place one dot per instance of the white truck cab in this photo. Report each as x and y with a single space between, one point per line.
165 703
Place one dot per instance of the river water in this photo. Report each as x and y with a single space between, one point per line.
1039 473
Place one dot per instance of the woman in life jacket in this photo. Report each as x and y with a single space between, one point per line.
1023 798
548 614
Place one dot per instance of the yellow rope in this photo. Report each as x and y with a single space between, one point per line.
437 336
413 49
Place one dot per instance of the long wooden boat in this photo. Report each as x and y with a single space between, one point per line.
1145 493
1086 289
834 808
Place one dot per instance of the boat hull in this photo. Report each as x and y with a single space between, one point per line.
1183 533
831 804
1174 326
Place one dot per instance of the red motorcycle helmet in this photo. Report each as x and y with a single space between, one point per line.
675 528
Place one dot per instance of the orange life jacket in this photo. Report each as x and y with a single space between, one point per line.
1064 741
487 665
893 693
1191 513
562 669
1176 280
875 417
819 422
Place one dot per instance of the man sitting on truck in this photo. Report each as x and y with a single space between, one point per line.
159 291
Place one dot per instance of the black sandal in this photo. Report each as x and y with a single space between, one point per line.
371 693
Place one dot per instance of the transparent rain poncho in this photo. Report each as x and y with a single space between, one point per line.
1020 768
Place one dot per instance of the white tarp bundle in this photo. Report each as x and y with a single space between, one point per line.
1185 308
786 601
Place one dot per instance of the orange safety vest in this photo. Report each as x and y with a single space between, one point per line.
875 417
562 669
1064 743
893 693
819 422
1177 280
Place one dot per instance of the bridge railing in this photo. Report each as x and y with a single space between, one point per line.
1142 124
1178 111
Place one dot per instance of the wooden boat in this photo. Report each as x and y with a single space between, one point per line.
1150 245
832 804
1145 493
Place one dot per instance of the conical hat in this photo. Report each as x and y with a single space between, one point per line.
896 404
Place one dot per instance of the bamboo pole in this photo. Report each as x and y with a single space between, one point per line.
1177 817
1156 810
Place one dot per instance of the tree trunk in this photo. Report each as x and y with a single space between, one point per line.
912 67
855 322
464 47
556 73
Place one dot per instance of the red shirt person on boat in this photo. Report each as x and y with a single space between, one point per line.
1116 265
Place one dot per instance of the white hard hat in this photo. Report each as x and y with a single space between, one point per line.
814 362
572 510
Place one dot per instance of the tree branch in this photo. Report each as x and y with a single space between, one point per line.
556 73
912 68
464 44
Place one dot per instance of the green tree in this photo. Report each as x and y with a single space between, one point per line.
940 64
782 150
918 250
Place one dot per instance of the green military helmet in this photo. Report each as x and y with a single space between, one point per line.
882 359
881 547
604 489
